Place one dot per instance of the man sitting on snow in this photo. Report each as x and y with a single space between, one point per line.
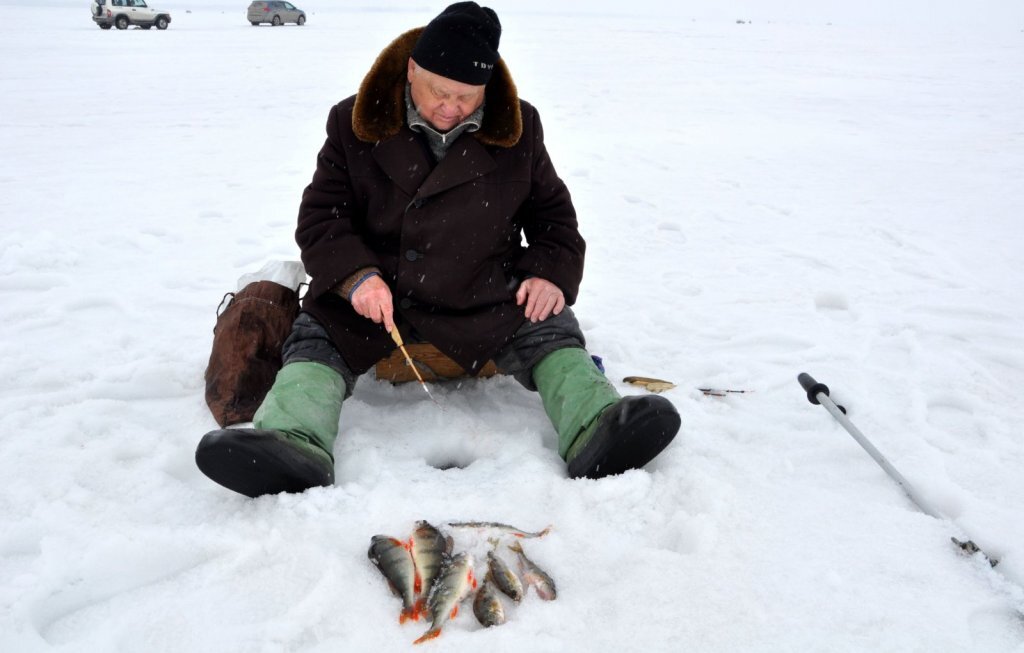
429 179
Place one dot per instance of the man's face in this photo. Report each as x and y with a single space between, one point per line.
442 102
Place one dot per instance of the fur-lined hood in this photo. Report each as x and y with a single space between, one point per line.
379 111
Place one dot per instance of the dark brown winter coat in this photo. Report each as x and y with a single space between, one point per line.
447 236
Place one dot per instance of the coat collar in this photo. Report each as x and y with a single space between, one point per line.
406 163
379 111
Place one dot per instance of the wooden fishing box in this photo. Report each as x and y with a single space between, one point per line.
431 363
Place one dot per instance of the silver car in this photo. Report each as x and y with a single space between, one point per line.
275 12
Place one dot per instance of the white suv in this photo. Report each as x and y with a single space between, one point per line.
122 13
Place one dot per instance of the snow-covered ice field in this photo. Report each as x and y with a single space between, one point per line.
836 190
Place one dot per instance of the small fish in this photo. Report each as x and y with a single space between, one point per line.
487 606
534 575
649 384
503 577
452 586
723 392
429 549
511 530
392 558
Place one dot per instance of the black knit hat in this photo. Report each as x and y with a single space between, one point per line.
460 44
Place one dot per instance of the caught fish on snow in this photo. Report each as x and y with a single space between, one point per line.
429 548
487 605
649 384
503 577
534 575
511 530
453 585
392 558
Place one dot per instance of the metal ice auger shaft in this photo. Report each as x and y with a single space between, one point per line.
818 393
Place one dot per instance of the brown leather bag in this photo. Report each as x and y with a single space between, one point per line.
246 353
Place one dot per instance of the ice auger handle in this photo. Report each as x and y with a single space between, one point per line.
812 387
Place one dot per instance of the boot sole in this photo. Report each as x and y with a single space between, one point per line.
646 425
254 463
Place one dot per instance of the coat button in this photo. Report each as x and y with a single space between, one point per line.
412 255
405 303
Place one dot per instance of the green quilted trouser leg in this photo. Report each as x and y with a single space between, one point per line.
574 393
304 404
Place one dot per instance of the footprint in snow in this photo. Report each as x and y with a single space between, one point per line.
831 301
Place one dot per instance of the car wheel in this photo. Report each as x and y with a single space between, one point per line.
301 21
254 23
161 22
276 21
105 26
121 22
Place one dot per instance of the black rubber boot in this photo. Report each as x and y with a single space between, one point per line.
629 434
257 462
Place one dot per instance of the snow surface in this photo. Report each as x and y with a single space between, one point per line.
834 189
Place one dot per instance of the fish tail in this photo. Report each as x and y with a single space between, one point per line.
419 609
430 634
410 614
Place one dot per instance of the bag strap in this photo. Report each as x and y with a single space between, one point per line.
225 299
221 307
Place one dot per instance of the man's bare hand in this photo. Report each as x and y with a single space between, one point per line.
542 298
372 300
